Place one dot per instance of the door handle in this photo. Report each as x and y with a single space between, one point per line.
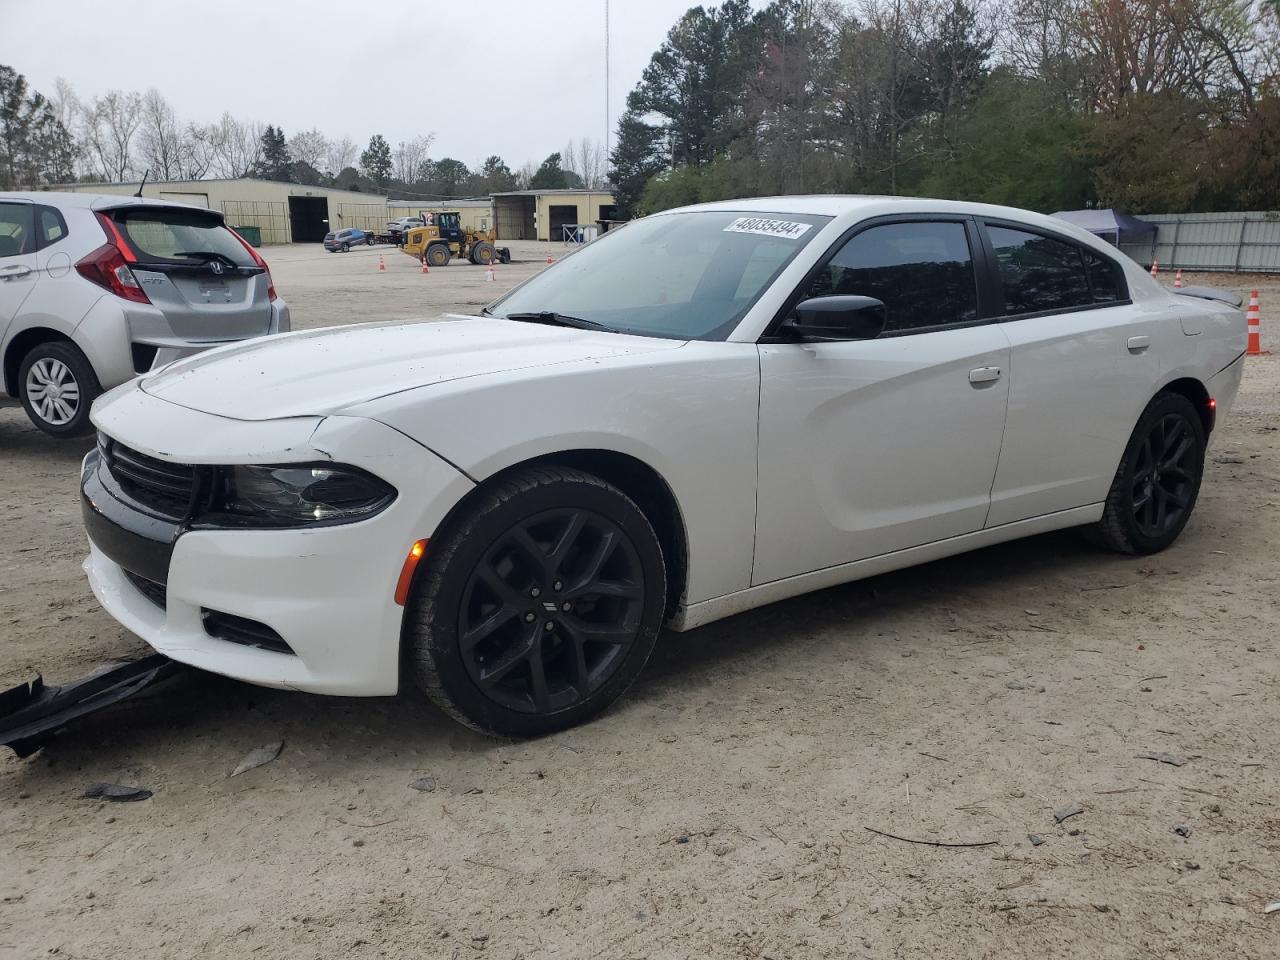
984 374
1138 344
14 270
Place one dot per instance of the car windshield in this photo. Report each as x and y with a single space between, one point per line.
688 276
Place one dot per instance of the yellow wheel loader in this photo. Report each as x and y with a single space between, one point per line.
444 238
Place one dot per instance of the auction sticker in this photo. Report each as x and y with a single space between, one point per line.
769 228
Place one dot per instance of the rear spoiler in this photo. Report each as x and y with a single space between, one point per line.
1211 293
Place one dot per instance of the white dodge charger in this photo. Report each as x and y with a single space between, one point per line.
707 410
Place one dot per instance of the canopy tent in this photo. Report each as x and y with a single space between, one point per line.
1112 224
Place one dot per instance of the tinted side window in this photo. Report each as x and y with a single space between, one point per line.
922 272
1104 274
16 234
50 226
1038 273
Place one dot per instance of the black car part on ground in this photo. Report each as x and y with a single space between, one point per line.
31 713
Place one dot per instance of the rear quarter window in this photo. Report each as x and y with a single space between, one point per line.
50 226
1039 273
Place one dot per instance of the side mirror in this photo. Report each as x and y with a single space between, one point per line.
836 318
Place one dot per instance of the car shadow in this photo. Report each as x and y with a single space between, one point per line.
199 706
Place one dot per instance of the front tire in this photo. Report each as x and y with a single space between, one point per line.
538 605
58 386
1158 480
439 255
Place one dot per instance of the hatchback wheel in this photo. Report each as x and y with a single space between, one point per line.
1156 485
58 386
538 606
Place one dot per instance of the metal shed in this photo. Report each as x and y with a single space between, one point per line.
544 214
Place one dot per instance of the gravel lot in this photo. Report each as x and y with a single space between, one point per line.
726 807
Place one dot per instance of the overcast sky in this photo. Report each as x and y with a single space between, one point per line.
513 77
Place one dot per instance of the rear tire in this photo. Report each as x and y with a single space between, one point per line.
57 386
346 248
438 255
538 605
1158 480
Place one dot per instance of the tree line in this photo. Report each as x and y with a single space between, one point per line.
1150 105
122 135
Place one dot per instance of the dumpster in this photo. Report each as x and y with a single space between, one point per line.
252 234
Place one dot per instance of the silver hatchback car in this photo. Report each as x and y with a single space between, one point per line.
95 290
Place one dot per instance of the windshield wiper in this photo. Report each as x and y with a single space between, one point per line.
553 319
207 256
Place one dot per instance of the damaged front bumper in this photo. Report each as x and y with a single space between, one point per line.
31 713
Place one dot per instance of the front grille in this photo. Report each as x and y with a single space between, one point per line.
242 630
155 592
165 488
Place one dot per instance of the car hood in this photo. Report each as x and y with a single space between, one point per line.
319 372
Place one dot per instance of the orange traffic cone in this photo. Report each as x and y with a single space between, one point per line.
1177 280
425 268
1254 319
549 260
381 265
1155 267
488 274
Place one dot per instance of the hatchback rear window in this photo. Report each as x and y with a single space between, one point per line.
180 236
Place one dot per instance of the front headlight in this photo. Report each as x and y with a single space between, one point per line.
294 495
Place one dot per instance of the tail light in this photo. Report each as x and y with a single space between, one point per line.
108 266
257 258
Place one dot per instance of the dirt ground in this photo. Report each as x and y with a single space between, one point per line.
724 809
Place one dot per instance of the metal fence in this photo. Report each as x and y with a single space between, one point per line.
1246 242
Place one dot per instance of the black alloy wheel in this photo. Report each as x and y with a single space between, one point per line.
538 605
549 611
1157 483
1163 476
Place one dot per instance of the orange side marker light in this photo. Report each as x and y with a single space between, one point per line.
406 572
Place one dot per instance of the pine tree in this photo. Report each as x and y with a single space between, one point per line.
375 162
636 157
550 176
275 163
35 147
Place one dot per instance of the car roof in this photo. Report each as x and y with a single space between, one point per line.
856 207
96 201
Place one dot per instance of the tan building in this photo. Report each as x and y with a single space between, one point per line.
546 214
296 213
283 212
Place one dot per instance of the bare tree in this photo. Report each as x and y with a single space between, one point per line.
237 147
309 147
408 156
586 158
159 142
339 155
196 151
109 125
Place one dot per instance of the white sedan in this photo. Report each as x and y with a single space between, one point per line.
705 411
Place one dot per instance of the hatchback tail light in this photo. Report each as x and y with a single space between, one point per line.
257 258
108 268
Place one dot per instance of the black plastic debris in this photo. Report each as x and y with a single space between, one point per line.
1063 813
31 713
116 793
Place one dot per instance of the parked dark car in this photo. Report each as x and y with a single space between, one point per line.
347 238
